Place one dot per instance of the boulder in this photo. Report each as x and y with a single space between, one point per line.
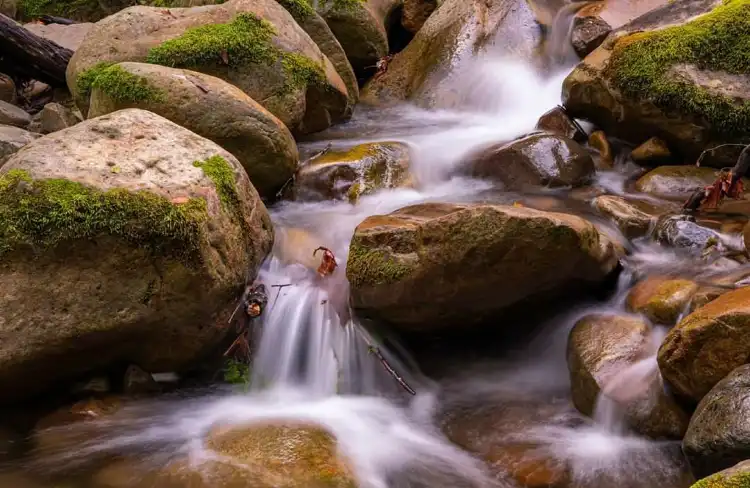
634 218
354 172
55 117
535 160
652 151
437 265
719 434
137 236
69 36
12 115
440 59
252 44
208 106
12 139
598 140
682 231
262 456
652 79
662 300
557 122
736 476
138 382
7 89
707 344
601 349
676 182
51 434
588 33
416 13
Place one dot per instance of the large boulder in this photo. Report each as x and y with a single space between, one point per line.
69 36
439 265
441 58
123 239
262 456
357 171
601 349
208 106
719 434
707 344
662 75
252 44
736 476
538 159
661 299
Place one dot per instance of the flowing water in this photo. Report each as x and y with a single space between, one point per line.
314 364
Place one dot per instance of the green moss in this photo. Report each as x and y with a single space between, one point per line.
301 70
86 79
125 87
300 9
71 9
641 65
368 267
343 4
45 213
719 480
237 372
222 174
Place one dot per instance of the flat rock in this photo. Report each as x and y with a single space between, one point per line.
12 115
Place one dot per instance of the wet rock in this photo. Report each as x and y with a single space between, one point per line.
598 140
12 139
416 13
95 385
354 172
588 33
69 36
736 476
719 434
707 344
413 267
681 231
303 90
18 480
675 181
633 217
652 151
538 159
263 456
662 300
7 89
55 434
55 117
12 115
210 107
138 382
557 122
601 348
154 251
675 95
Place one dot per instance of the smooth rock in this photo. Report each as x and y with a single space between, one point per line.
588 33
7 89
535 160
12 115
354 172
152 255
601 349
53 434
304 90
675 181
681 231
69 36
12 139
719 434
212 108
416 13
138 382
557 122
55 117
634 218
707 345
598 140
412 267
652 151
662 300
734 477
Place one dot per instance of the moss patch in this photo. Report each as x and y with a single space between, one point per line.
44 213
86 78
719 480
641 65
124 87
300 9
369 267
71 9
222 174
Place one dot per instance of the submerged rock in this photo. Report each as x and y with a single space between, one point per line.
736 476
675 181
557 122
354 172
719 434
634 218
12 139
136 238
535 160
252 44
211 108
652 151
437 265
661 299
707 345
601 348
52 433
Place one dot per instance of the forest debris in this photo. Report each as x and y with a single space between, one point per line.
328 264
253 302
375 350
727 184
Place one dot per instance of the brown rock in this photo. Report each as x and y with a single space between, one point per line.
7 89
138 382
598 140
53 433
633 217
675 181
652 151
588 34
557 122
737 475
661 299
416 13
69 36
55 117
9 8
12 115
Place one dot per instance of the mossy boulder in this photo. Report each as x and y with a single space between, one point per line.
534 160
737 476
707 345
351 173
661 299
137 236
261 456
253 44
600 349
676 182
442 265
208 106
678 73
633 217
78 10
719 434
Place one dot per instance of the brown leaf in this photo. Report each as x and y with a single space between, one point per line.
224 56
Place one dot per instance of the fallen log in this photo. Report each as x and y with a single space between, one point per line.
25 56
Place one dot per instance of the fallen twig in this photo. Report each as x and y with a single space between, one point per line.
373 349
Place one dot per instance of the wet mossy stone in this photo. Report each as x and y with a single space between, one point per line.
737 476
255 45
136 234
